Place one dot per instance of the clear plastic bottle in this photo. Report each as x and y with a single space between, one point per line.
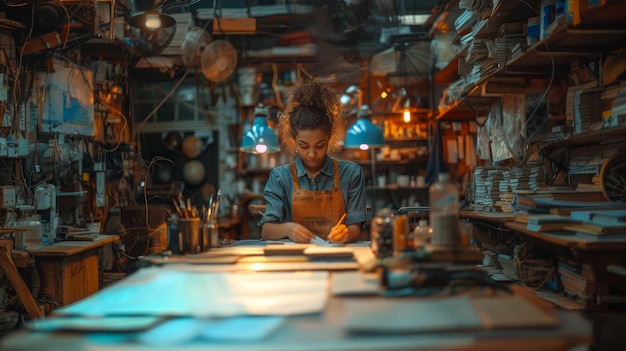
444 211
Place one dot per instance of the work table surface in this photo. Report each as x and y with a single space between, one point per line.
310 331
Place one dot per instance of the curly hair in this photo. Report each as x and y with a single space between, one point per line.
312 105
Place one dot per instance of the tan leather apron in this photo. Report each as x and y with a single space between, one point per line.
320 210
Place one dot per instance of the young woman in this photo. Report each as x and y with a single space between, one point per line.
309 196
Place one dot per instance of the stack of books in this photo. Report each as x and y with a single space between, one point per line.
486 184
587 110
577 280
478 50
572 99
617 115
558 133
543 222
588 160
495 188
599 222
510 37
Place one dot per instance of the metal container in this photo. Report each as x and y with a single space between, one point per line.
210 236
189 235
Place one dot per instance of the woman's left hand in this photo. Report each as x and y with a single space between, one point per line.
338 234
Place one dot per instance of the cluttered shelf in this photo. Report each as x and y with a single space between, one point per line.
572 240
565 40
603 136
489 216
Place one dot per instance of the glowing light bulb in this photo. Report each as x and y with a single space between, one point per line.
364 146
406 116
153 21
260 148
383 95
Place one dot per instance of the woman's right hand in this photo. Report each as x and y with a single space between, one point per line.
298 233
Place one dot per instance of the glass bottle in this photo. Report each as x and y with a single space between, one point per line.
444 211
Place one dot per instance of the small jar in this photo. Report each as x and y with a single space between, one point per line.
381 233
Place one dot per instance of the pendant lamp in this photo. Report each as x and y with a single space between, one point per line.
150 30
364 134
260 138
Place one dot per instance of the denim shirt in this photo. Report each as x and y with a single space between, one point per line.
279 190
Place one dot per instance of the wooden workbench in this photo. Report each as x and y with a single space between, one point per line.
68 270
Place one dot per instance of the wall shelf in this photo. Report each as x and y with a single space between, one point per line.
598 32
600 137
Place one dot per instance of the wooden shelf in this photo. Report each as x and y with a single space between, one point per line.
457 111
601 137
561 47
601 244
594 36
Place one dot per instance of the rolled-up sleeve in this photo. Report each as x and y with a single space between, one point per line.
352 184
277 195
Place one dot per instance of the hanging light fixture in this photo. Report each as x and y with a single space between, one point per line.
405 104
260 138
364 134
150 30
153 20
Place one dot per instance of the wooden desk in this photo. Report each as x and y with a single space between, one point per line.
69 270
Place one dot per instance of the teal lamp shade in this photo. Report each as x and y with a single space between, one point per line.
260 138
364 134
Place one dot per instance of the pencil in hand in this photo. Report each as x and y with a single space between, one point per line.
333 234
341 219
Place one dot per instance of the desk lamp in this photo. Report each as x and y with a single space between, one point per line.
260 138
364 134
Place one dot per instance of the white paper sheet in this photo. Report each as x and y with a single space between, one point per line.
180 292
